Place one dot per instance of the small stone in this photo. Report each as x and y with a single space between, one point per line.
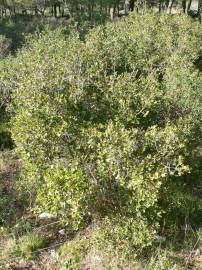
62 232
197 252
160 238
46 216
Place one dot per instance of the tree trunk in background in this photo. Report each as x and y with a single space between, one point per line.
184 3
199 5
189 5
127 6
132 5
118 7
170 6
101 7
199 9
54 11
113 12
159 3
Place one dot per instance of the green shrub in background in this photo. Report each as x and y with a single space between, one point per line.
5 140
16 28
103 125
5 45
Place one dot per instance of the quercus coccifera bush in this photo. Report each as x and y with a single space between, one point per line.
102 124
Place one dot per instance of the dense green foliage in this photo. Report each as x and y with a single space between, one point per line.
106 127
105 120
